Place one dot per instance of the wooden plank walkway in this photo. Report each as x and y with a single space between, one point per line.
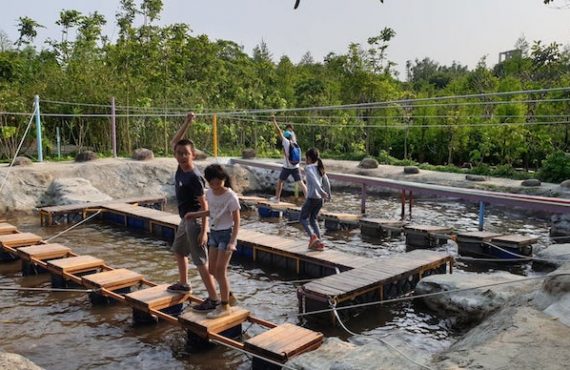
69 213
153 299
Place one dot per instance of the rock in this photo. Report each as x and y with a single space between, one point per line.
410 170
558 281
248 153
471 305
72 190
368 163
22 161
142 154
475 178
531 182
200 155
565 184
13 361
514 338
239 176
85 156
554 297
335 354
555 254
560 228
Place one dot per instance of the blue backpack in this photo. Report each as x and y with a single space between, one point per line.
294 153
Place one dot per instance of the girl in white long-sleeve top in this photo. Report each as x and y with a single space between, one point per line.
318 191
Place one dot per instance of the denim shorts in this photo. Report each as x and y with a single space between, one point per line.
220 239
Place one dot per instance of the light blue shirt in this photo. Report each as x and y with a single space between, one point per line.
318 186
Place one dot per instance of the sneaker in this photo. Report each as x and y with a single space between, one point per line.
320 246
220 311
206 305
312 241
179 288
233 300
274 200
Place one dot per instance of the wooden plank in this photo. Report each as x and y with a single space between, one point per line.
156 298
277 343
80 206
517 239
113 279
199 323
6 228
477 235
341 217
75 264
19 240
428 229
44 252
317 288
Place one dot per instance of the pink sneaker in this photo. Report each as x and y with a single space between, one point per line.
313 241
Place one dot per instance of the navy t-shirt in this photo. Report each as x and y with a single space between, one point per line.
189 186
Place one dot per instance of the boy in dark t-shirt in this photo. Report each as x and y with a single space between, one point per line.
191 235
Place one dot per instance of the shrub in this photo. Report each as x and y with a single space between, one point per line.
555 168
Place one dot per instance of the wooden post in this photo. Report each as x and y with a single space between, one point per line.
403 215
411 202
363 199
215 134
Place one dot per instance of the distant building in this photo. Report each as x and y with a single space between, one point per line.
506 55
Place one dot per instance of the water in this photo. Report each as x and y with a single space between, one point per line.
65 331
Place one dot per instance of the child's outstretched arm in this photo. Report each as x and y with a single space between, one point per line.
232 245
277 128
182 130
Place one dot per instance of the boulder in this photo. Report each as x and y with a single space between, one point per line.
554 254
531 182
248 153
22 161
560 228
143 154
475 178
472 305
72 190
200 155
565 184
239 176
85 156
513 338
13 361
554 297
410 170
368 163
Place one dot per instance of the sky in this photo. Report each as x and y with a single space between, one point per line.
443 30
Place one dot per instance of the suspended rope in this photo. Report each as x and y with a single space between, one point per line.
74 226
18 150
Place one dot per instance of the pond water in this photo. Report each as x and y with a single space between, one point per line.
65 331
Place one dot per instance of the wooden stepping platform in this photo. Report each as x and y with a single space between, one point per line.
426 236
283 342
380 227
112 280
155 298
43 252
49 214
200 325
19 240
148 217
247 201
400 271
6 228
513 240
281 206
339 221
73 265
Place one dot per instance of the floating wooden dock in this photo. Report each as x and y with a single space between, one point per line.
346 277
148 300
484 244
382 279
426 236
71 213
381 228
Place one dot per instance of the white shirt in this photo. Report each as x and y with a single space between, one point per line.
221 208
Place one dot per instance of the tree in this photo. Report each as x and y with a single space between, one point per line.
28 31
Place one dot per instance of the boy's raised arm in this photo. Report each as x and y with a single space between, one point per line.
182 130
279 132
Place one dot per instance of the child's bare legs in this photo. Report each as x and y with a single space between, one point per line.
221 260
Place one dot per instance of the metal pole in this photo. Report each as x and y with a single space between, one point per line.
481 215
38 128
113 127
58 140
363 199
215 134
411 202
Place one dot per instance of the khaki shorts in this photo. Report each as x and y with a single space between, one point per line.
186 242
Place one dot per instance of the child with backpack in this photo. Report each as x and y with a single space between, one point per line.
319 190
292 158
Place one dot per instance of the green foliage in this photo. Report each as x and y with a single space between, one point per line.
555 168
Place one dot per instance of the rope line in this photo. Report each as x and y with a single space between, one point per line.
74 226
18 150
